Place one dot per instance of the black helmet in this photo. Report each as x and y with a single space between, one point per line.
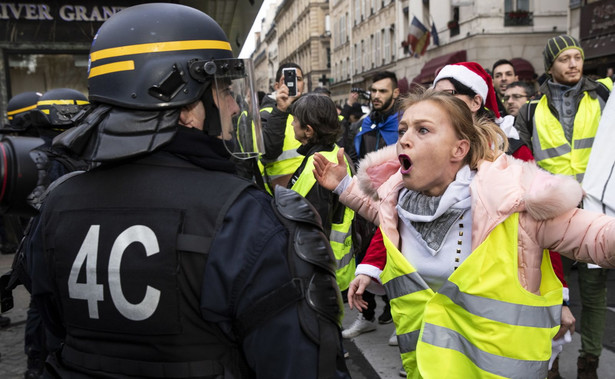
57 108
18 109
153 56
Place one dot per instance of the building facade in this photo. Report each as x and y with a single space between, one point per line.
367 36
265 53
304 35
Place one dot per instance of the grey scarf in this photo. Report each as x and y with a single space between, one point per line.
433 216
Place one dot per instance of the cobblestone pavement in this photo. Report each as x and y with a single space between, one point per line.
13 360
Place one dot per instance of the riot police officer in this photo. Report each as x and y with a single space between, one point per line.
18 110
160 261
56 110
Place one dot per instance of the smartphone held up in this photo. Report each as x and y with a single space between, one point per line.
290 80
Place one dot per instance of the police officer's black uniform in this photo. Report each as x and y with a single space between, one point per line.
162 263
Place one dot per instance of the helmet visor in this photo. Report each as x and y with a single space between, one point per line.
238 106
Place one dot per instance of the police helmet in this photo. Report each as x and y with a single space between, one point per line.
18 109
155 56
158 57
57 108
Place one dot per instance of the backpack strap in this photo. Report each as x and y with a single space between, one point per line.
603 92
531 109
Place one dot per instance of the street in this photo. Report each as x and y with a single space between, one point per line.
370 355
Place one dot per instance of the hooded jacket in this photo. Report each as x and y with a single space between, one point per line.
546 203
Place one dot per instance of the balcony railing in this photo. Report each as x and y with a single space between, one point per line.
518 18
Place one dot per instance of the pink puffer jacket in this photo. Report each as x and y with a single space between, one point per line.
547 206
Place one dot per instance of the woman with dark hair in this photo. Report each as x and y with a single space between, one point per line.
317 128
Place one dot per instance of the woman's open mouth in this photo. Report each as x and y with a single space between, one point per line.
406 163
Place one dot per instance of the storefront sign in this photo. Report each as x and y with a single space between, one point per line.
55 21
597 19
597 29
44 12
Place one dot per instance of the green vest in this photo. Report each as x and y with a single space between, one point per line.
341 234
482 323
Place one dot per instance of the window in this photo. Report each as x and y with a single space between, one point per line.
517 13
387 46
356 61
377 46
347 28
341 39
362 55
516 5
328 25
42 72
347 68
336 72
372 51
453 25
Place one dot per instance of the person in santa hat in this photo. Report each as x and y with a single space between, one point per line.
472 84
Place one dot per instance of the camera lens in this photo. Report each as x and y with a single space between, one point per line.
19 173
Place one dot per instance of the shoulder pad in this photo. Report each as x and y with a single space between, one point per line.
295 207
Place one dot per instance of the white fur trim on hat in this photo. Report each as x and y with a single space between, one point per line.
466 77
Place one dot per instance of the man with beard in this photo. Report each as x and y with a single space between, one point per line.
379 129
560 128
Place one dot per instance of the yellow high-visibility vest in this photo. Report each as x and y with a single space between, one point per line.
340 236
482 323
551 149
289 161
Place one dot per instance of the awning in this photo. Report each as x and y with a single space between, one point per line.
599 46
432 66
523 69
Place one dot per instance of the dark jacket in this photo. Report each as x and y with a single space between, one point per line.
170 191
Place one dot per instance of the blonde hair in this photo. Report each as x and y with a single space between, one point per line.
487 140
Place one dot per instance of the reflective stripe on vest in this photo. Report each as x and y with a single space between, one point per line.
289 161
552 150
481 320
340 237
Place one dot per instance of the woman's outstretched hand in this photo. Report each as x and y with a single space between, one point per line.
355 292
329 174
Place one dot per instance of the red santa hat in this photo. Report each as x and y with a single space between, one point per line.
474 76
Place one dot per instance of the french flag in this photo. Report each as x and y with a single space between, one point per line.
418 37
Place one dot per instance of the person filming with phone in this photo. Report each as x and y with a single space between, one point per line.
281 159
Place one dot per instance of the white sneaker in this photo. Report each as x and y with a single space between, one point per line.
402 373
360 325
393 339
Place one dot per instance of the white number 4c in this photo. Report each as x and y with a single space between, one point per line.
93 292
